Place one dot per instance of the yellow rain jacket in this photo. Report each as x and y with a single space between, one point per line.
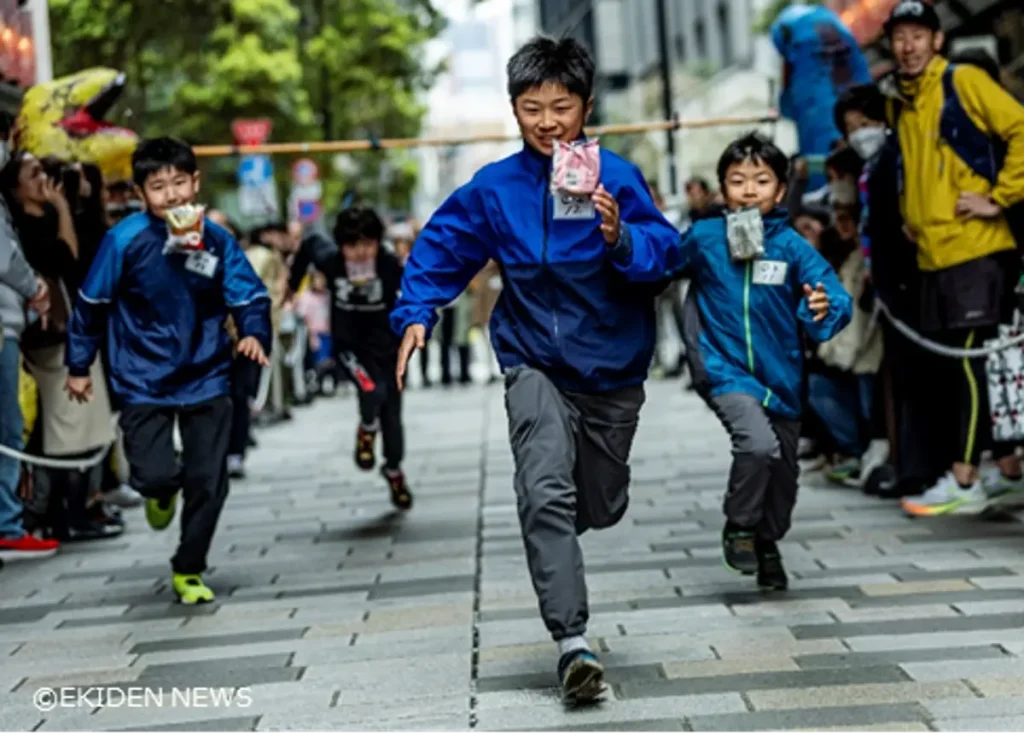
934 176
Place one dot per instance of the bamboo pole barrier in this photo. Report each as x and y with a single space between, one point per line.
389 143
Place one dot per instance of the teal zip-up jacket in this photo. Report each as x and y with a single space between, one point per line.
748 339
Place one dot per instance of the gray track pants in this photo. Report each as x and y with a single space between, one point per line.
763 480
571 455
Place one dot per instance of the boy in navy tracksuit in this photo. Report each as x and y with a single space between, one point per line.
743 332
162 316
573 339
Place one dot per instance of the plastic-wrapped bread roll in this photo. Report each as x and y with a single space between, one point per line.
576 167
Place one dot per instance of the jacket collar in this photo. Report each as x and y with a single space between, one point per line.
775 222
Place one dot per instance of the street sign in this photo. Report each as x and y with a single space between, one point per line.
254 171
251 132
305 171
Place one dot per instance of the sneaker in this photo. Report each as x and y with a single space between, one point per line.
124 496
236 467
876 456
366 440
813 464
90 531
581 675
160 512
191 590
845 473
807 449
27 547
738 549
401 496
947 497
1002 492
771 575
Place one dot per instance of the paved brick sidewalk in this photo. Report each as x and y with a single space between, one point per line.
338 614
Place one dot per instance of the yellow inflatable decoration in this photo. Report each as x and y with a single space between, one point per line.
64 118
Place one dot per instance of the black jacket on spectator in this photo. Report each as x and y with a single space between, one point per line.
894 272
52 259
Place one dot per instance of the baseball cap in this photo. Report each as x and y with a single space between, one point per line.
913 12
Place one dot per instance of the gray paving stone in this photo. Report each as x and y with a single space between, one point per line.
812 718
1010 724
644 726
217 725
763 681
862 659
217 641
913 626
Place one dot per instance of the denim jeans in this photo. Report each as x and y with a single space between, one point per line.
844 405
11 426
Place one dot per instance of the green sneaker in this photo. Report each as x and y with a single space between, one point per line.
191 590
845 473
160 512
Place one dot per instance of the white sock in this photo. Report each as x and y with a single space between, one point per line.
572 644
370 427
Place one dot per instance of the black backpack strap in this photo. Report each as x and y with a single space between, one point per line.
972 145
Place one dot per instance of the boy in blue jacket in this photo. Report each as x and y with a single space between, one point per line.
574 340
162 316
746 313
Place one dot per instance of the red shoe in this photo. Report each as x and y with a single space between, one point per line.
401 496
27 548
365 443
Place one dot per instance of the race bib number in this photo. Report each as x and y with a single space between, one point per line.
770 273
201 263
574 207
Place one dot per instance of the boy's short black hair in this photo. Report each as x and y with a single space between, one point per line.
865 99
543 59
846 162
358 223
757 148
156 154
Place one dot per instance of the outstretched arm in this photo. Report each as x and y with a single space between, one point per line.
248 301
448 253
825 307
92 309
648 247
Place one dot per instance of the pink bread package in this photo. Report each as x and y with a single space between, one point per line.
576 167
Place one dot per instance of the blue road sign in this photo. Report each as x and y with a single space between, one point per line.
255 171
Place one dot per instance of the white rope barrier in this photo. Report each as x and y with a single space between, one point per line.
938 348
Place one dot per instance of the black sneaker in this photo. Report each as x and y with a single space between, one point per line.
401 496
771 575
738 549
366 441
581 676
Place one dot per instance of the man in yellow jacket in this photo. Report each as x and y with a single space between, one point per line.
961 141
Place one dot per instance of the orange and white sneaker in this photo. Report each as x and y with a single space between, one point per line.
947 498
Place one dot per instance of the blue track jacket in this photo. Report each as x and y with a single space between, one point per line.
751 313
564 309
163 316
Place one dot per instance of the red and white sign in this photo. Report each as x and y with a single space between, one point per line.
251 132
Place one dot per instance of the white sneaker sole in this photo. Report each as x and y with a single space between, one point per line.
12 555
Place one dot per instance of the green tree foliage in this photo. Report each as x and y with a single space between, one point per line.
319 69
774 9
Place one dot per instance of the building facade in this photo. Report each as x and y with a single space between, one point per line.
717 66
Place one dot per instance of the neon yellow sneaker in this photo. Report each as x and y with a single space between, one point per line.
191 589
160 513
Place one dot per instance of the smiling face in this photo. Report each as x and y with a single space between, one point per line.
169 188
548 113
914 46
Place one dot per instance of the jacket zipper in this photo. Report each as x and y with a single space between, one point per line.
544 259
746 318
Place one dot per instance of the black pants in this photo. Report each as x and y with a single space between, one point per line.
201 476
384 403
245 376
447 340
968 426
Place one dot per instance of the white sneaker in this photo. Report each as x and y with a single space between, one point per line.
124 496
876 456
1003 492
812 465
947 497
236 466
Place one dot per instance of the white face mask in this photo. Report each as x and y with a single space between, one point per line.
867 141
